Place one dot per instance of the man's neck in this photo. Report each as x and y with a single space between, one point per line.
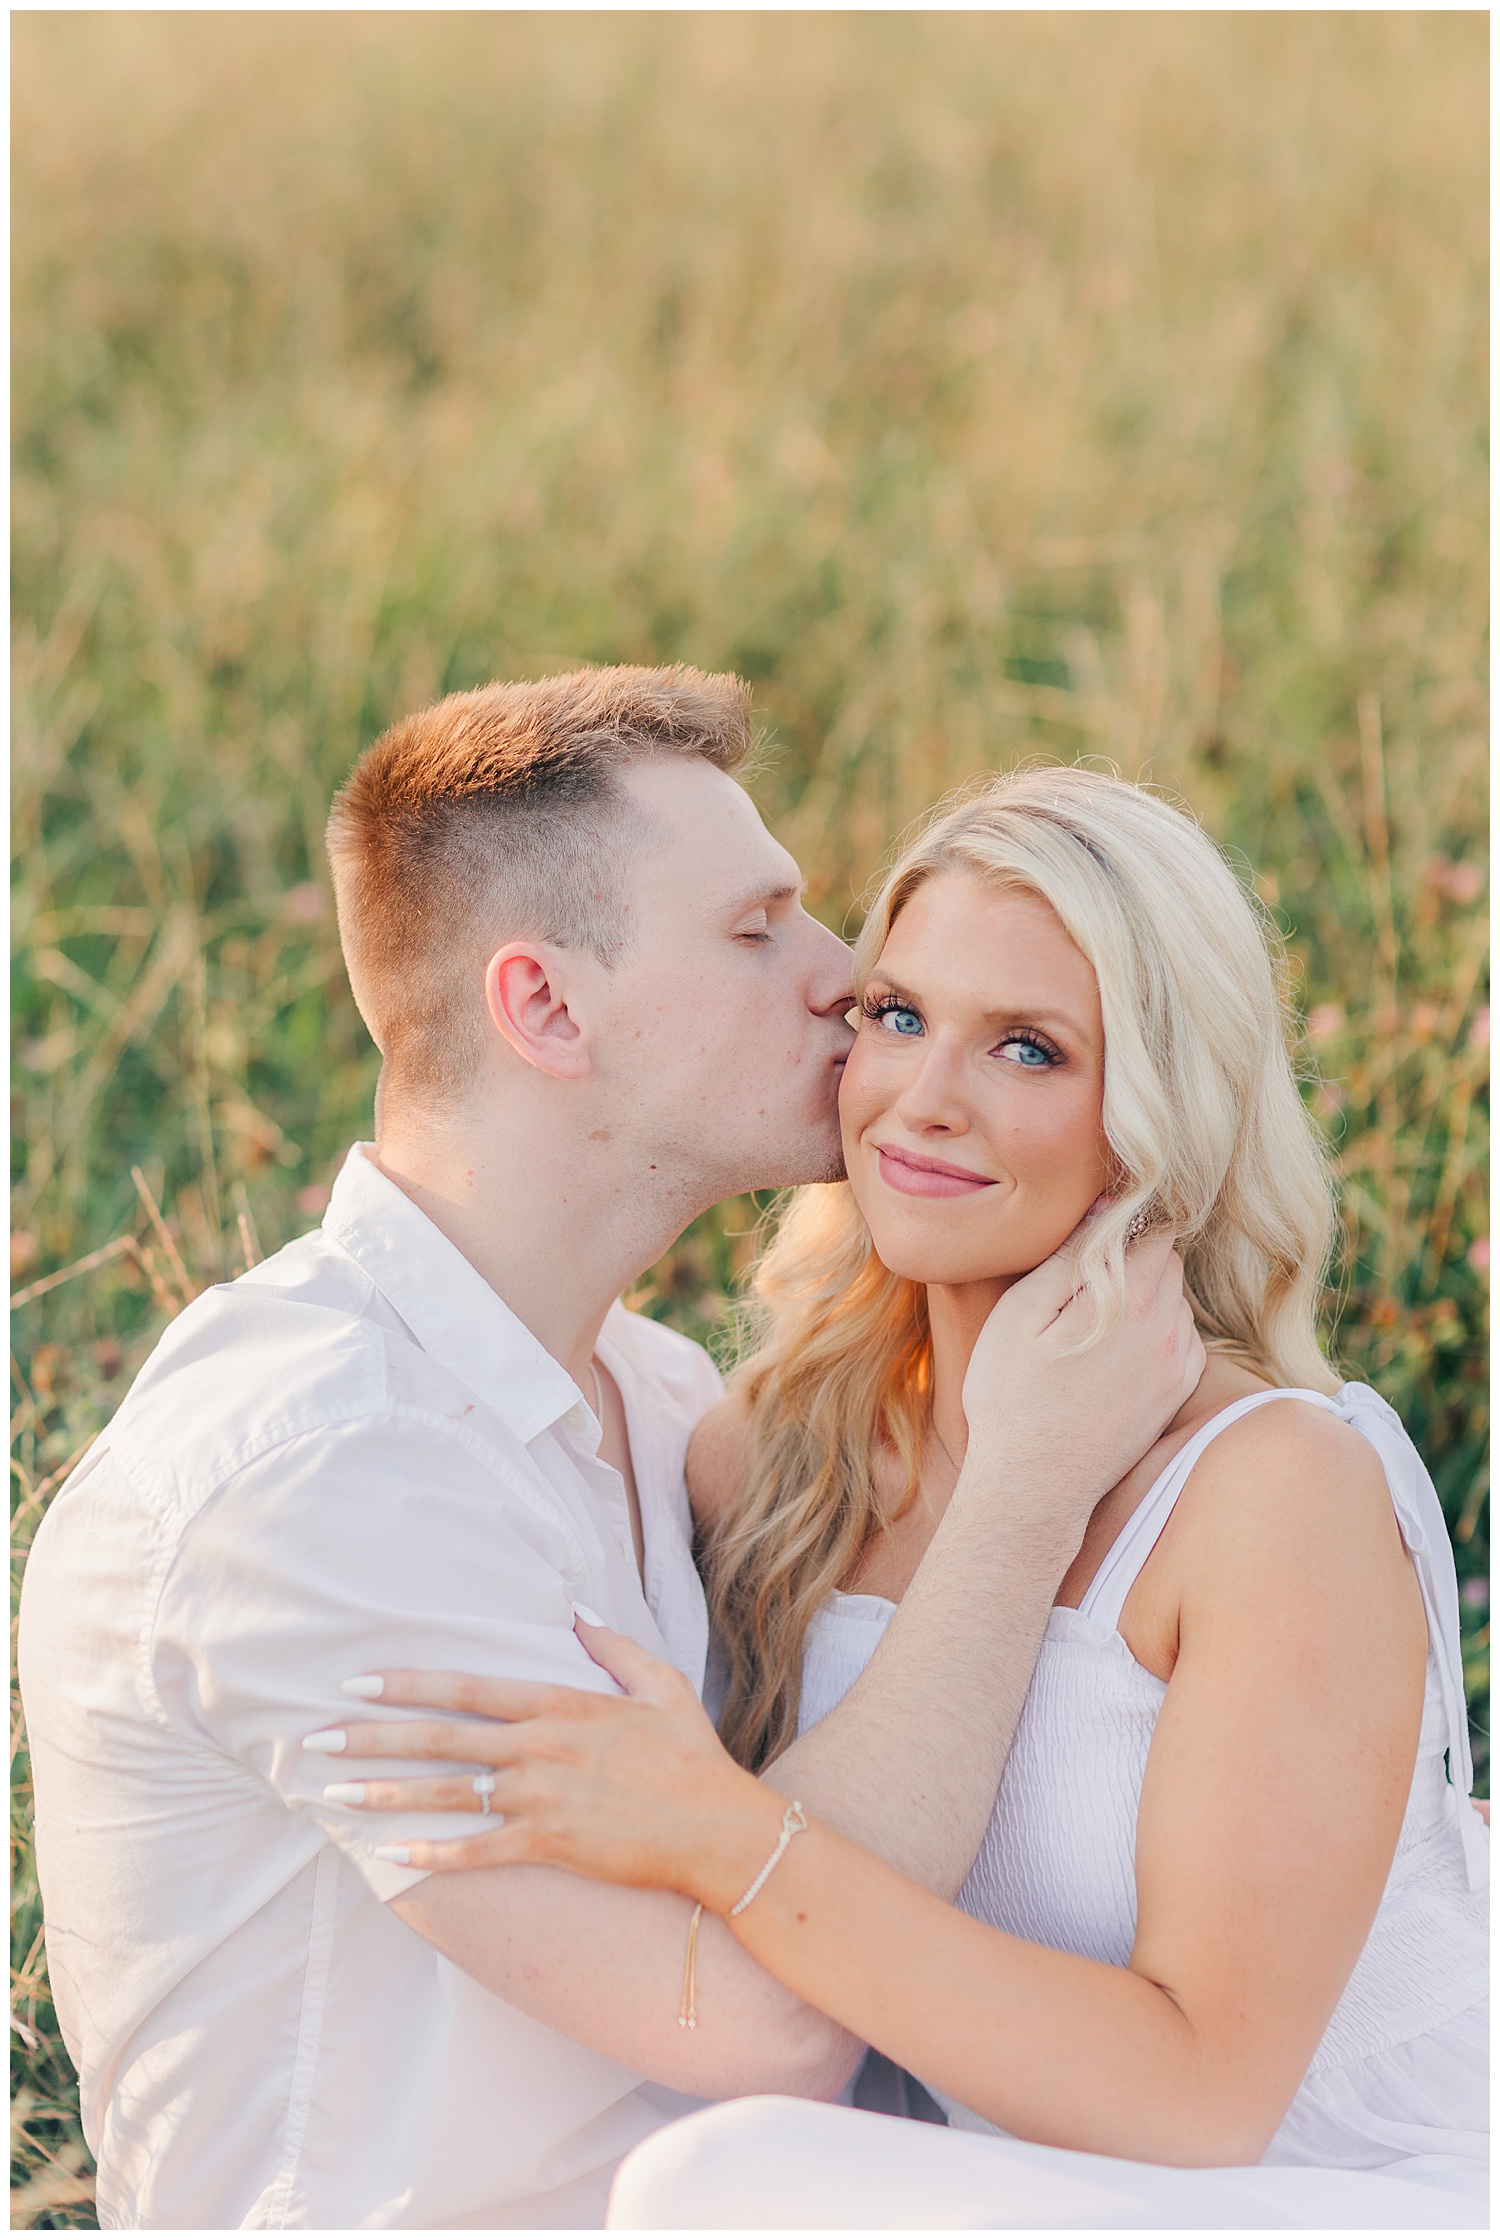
555 1231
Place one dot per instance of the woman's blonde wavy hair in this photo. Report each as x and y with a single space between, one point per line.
1209 1135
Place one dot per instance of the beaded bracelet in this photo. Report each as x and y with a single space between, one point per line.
793 1821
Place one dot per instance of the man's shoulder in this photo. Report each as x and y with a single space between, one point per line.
295 1346
665 1358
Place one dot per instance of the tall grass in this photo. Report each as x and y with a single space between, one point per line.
978 385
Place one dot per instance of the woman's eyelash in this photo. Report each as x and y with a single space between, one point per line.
1033 1041
876 1008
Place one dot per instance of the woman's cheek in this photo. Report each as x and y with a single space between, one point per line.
1073 1155
859 1095
1057 1158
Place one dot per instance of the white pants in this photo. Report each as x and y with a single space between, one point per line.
784 2165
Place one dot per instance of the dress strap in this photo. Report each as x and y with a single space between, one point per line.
1424 1529
1126 1559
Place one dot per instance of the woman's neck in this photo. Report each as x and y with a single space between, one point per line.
956 1313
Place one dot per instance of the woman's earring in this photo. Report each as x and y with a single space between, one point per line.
1140 1224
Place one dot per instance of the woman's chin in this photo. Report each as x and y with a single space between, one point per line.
949 1261
928 1267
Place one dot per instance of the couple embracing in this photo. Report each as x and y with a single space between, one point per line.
474 1752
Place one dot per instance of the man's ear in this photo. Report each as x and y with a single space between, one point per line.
522 986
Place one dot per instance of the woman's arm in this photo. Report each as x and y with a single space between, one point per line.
1273 1798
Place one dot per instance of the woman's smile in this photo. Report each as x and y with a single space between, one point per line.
920 1177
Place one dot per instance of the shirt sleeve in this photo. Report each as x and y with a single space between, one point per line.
379 1543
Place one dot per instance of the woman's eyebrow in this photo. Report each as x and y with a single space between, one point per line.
1008 1015
1036 1015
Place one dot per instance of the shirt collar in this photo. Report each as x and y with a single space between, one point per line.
444 1301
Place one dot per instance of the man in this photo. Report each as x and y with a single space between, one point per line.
423 1436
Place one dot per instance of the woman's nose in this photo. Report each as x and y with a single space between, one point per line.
933 1097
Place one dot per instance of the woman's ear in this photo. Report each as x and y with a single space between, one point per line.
525 988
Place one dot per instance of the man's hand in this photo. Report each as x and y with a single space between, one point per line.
1057 1417
909 1763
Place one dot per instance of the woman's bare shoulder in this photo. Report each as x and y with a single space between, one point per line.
716 1459
1284 1553
1294 1485
1291 1434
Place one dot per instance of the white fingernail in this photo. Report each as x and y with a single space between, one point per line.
328 1741
396 1852
344 1792
368 1684
581 1610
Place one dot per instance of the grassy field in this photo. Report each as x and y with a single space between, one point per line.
979 386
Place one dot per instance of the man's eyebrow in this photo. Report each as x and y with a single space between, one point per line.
786 890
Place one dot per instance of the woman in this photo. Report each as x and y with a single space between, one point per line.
1228 1911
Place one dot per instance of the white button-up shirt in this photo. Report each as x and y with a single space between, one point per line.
354 1457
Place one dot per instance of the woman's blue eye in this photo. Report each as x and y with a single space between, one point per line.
885 1011
1028 1054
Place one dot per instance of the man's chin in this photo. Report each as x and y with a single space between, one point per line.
835 1171
825 1164
821 1161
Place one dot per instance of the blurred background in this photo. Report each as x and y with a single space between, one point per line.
980 386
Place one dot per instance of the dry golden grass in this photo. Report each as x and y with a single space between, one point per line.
979 385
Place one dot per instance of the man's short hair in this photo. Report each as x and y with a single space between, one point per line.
492 816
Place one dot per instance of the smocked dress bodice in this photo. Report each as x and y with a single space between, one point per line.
1400 2077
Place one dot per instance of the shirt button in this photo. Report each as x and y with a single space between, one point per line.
576 1417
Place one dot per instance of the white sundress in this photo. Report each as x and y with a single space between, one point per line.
1399 2084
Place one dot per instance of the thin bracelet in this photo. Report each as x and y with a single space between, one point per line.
687 2013
793 1821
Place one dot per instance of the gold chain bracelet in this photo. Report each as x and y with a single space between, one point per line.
687 2013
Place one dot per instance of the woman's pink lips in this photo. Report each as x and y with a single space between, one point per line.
926 1178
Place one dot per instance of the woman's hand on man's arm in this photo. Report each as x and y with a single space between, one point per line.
1272 1802
602 1965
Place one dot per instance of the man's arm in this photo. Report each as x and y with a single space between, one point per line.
394 1536
605 1966
909 1764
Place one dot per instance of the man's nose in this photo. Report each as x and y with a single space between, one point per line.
831 986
